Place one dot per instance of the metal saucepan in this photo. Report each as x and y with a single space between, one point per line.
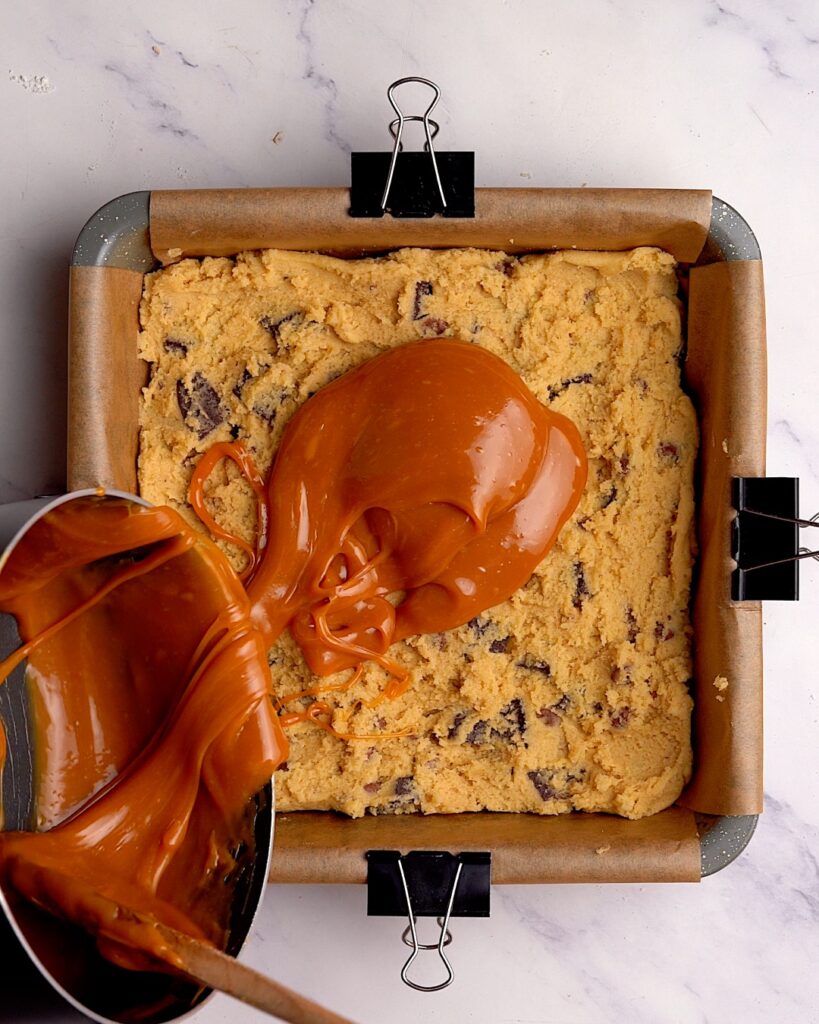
64 954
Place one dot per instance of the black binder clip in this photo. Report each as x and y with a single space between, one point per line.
765 541
427 883
419 184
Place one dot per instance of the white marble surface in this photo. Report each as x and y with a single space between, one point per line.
101 98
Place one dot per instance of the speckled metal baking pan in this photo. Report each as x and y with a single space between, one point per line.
118 236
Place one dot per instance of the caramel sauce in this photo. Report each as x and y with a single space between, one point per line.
154 726
430 472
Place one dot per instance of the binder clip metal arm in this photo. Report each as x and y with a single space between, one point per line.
417 184
427 883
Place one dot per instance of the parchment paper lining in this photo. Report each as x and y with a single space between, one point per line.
725 372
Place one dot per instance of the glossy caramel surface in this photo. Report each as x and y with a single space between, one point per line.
432 471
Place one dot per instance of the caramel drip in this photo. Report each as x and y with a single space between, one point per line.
314 714
236 452
313 691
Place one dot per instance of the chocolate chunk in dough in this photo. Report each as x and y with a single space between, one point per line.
434 326
514 718
422 289
266 408
620 717
239 386
175 345
608 498
404 785
543 781
581 587
183 399
479 626
273 325
457 722
558 389
200 405
477 734
548 717
535 665
669 452
633 628
406 801
508 266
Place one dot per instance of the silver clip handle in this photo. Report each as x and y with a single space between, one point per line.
802 553
444 938
430 135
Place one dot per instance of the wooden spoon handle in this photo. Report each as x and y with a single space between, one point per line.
217 970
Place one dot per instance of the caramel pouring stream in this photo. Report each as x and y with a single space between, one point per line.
430 471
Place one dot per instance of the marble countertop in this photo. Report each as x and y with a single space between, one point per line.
99 99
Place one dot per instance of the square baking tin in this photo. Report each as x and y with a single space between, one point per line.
138 232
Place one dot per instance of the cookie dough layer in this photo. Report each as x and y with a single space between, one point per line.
572 694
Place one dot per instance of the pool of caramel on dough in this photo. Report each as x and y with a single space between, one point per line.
431 470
